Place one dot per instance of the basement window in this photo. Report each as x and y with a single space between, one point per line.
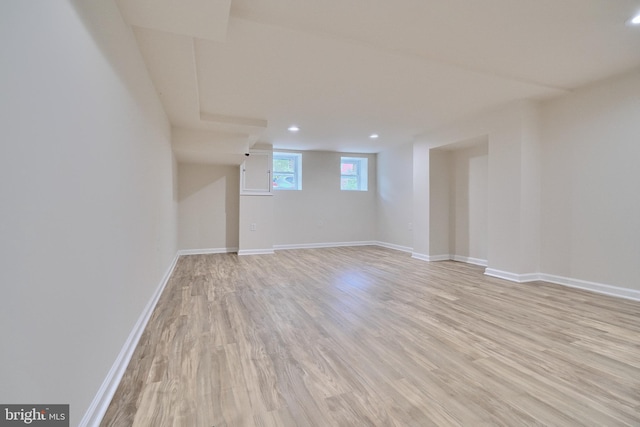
354 173
287 171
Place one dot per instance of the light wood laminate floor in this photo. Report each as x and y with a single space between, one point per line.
368 336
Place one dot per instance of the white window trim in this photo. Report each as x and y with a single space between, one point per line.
298 169
363 172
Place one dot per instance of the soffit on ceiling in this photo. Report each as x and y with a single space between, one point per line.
342 70
205 19
558 43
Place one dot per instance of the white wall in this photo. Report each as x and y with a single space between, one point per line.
87 217
591 183
208 206
395 197
421 194
468 226
321 212
454 197
439 204
562 187
530 188
258 211
512 180
213 216
256 219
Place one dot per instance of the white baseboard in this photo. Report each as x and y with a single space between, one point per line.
323 245
430 258
600 288
449 257
440 257
419 256
102 399
513 277
206 251
276 248
255 252
394 246
470 260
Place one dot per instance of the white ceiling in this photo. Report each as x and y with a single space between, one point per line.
231 73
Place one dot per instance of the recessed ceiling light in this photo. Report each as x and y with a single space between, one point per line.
635 20
293 128
373 136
